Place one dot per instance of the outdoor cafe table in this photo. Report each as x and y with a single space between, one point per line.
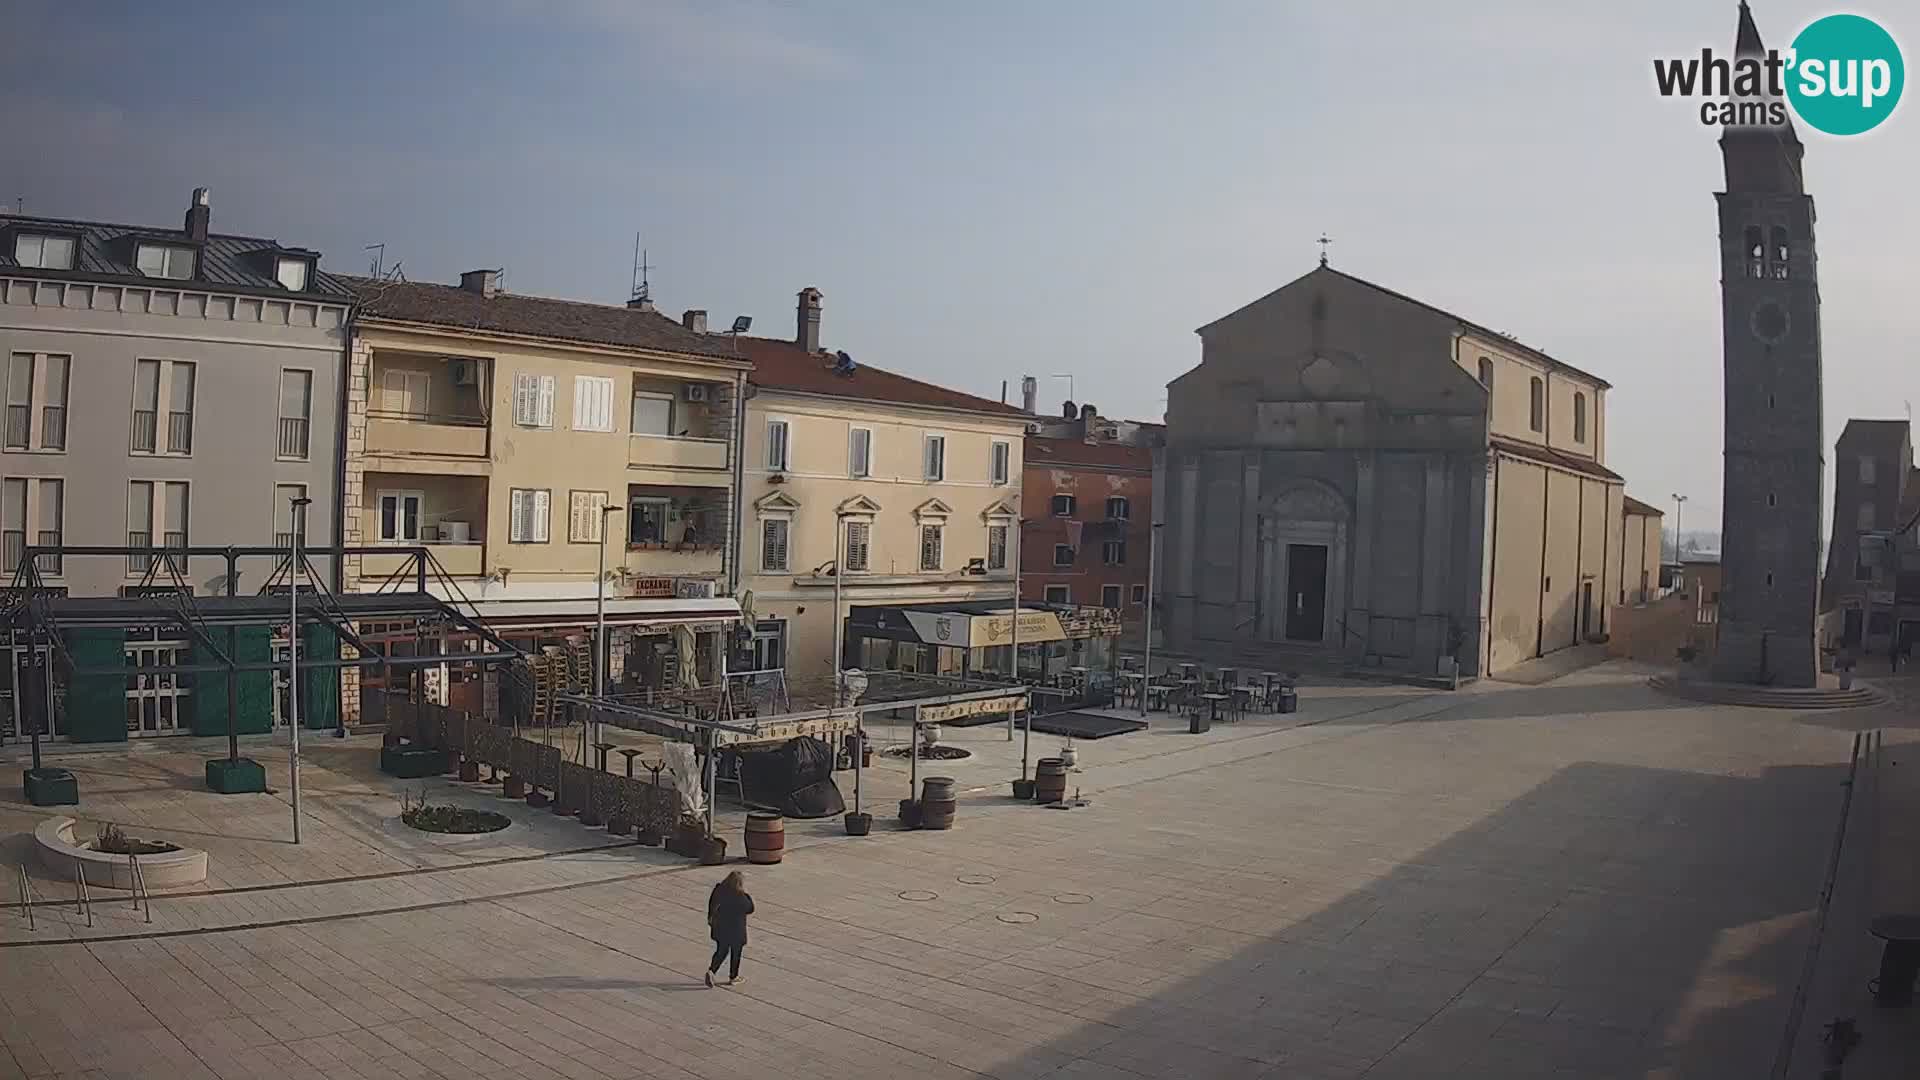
1213 706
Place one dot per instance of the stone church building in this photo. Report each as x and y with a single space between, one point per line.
1354 478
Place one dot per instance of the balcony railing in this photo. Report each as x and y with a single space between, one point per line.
391 432
293 437
175 543
13 545
672 452
50 564
18 417
139 561
53 427
179 432
143 430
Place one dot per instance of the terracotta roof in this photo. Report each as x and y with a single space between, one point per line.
1635 506
1545 456
105 252
1043 452
782 365
534 316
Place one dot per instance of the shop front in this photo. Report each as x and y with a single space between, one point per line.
1057 643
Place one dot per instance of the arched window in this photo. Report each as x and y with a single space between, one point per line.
1579 418
1778 251
1537 405
1486 372
1756 253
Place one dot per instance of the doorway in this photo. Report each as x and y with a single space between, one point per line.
1306 592
1586 611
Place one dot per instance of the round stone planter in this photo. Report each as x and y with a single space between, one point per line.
59 852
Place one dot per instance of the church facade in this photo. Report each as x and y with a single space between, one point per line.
1354 478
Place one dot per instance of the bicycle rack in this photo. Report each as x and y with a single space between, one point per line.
82 900
26 896
139 886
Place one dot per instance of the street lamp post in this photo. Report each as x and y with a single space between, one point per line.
1153 566
839 651
1678 502
600 625
1026 714
299 507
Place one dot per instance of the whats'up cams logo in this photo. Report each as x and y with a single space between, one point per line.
1843 76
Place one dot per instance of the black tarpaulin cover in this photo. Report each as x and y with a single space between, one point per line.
795 778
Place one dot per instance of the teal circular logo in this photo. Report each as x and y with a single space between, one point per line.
1845 75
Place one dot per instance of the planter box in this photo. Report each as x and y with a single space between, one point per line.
235 776
414 762
50 787
162 870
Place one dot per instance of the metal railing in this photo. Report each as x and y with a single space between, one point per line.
50 564
293 436
26 894
144 430
138 881
82 900
53 427
179 432
18 420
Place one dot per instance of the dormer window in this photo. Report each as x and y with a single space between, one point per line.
43 252
292 272
164 261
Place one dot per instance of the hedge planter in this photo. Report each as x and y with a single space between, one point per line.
513 788
50 787
590 817
713 851
859 823
413 762
469 771
1023 790
235 776
648 837
619 826
537 798
910 813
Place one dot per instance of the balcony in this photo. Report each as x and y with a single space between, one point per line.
414 435
456 560
670 452
293 437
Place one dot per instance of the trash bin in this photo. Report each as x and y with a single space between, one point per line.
1198 722
1289 699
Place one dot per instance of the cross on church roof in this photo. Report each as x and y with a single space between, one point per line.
1323 242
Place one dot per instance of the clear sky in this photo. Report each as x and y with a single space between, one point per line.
995 188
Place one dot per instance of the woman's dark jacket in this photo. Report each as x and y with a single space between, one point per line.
727 913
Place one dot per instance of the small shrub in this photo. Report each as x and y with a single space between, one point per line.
446 818
113 840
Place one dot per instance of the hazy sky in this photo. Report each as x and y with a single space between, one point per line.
991 189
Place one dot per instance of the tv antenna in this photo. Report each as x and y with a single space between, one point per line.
642 290
379 257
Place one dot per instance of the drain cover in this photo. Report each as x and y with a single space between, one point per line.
919 895
1073 898
1017 917
975 879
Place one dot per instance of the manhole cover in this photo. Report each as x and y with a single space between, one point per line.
1073 898
1017 917
919 895
975 879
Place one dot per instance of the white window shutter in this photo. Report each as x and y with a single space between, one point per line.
582 403
603 414
523 399
544 416
517 526
542 506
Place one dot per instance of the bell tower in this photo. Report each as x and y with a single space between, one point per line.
1773 474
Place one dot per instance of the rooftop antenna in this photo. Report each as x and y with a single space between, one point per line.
641 289
379 257
1324 241
1070 393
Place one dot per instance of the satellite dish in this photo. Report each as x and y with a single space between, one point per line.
741 323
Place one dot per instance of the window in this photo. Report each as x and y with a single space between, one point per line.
179 408
586 516
44 252
19 401
529 516
1114 553
1756 252
47 522
1001 467
1486 372
13 523
1118 508
1864 516
1059 594
1771 499
1063 506
769 645
400 516
647 519
859 452
1579 418
931 537
291 273
1866 471
40 377
533 400
157 512
996 547
146 404
1537 405
777 448
1777 253
1062 555
53 403
1110 597
296 413
40 521
936 457
773 544
164 261
283 519
652 414
593 403
859 545
163 393
1139 594
407 393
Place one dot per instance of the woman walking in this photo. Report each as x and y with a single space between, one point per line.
727 911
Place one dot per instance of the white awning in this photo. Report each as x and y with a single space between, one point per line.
661 612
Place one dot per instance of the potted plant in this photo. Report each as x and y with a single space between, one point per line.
536 797
650 827
1069 755
1023 789
910 813
469 771
713 850
859 823
688 836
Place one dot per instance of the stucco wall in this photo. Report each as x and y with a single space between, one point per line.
1512 397
1089 575
1551 539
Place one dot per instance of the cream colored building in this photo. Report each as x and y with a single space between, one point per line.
1642 541
500 432
925 480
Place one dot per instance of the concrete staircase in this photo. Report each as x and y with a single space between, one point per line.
1806 698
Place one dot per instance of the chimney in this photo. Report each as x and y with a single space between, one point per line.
484 282
640 303
1068 411
199 215
695 319
807 320
1029 393
1088 412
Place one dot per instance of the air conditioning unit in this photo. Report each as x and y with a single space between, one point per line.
466 373
694 391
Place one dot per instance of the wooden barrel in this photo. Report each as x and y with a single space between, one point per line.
1049 780
766 838
937 802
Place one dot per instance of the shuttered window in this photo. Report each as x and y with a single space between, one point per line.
860 452
936 457
592 403
530 510
1001 466
585 513
930 545
859 544
996 547
533 400
773 544
777 445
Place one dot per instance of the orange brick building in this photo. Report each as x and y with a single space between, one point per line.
1089 509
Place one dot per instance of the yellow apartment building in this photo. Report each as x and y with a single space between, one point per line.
504 433
924 480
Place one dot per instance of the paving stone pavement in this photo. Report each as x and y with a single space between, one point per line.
1578 879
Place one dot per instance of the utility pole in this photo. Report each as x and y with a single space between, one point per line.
293 659
1678 502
